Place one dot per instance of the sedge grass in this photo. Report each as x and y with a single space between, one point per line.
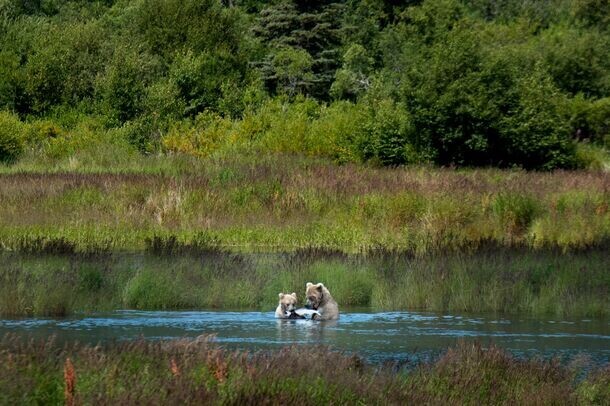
523 281
284 203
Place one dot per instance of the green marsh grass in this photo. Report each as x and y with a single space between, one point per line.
495 279
200 372
175 232
282 203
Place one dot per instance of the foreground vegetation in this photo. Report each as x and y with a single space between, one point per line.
195 372
495 279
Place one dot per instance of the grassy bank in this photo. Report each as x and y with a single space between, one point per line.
280 203
195 372
496 279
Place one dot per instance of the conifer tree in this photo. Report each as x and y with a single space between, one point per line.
310 26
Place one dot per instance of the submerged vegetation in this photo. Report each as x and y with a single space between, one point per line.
198 371
178 277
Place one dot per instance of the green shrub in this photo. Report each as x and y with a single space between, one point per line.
591 12
598 119
44 70
122 86
590 119
386 134
537 134
199 79
337 131
285 127
577 60
143 133
591 156
202 137
516 211
11 137
353 79
41 131
476 92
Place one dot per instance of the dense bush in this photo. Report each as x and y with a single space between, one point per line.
590 119
451 82
11 141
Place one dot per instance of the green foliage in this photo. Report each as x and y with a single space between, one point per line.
451 82
577 60
353 79
590 119
292 70
473 101
143 133
176 25
536 135
516 212
304 33
10 80
11 137
595 13
200 78
122 87
591 156
387 134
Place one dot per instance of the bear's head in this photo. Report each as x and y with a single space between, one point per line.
315 295
288 302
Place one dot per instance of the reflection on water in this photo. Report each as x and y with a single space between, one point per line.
403 336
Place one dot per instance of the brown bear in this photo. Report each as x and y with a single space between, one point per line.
319 298
288 304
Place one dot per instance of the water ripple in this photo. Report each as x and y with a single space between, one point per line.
377 336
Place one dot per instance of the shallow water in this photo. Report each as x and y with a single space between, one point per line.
390 336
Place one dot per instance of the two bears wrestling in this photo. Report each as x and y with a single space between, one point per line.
319 300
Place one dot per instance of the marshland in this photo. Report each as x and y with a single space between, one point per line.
282 203
442 162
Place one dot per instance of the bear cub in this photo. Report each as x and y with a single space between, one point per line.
286 309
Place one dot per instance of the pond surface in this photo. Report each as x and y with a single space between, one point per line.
395 336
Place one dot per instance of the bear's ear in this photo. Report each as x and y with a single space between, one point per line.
281 295
319 286
309 284
293 295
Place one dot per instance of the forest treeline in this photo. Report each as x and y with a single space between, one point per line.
449 82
